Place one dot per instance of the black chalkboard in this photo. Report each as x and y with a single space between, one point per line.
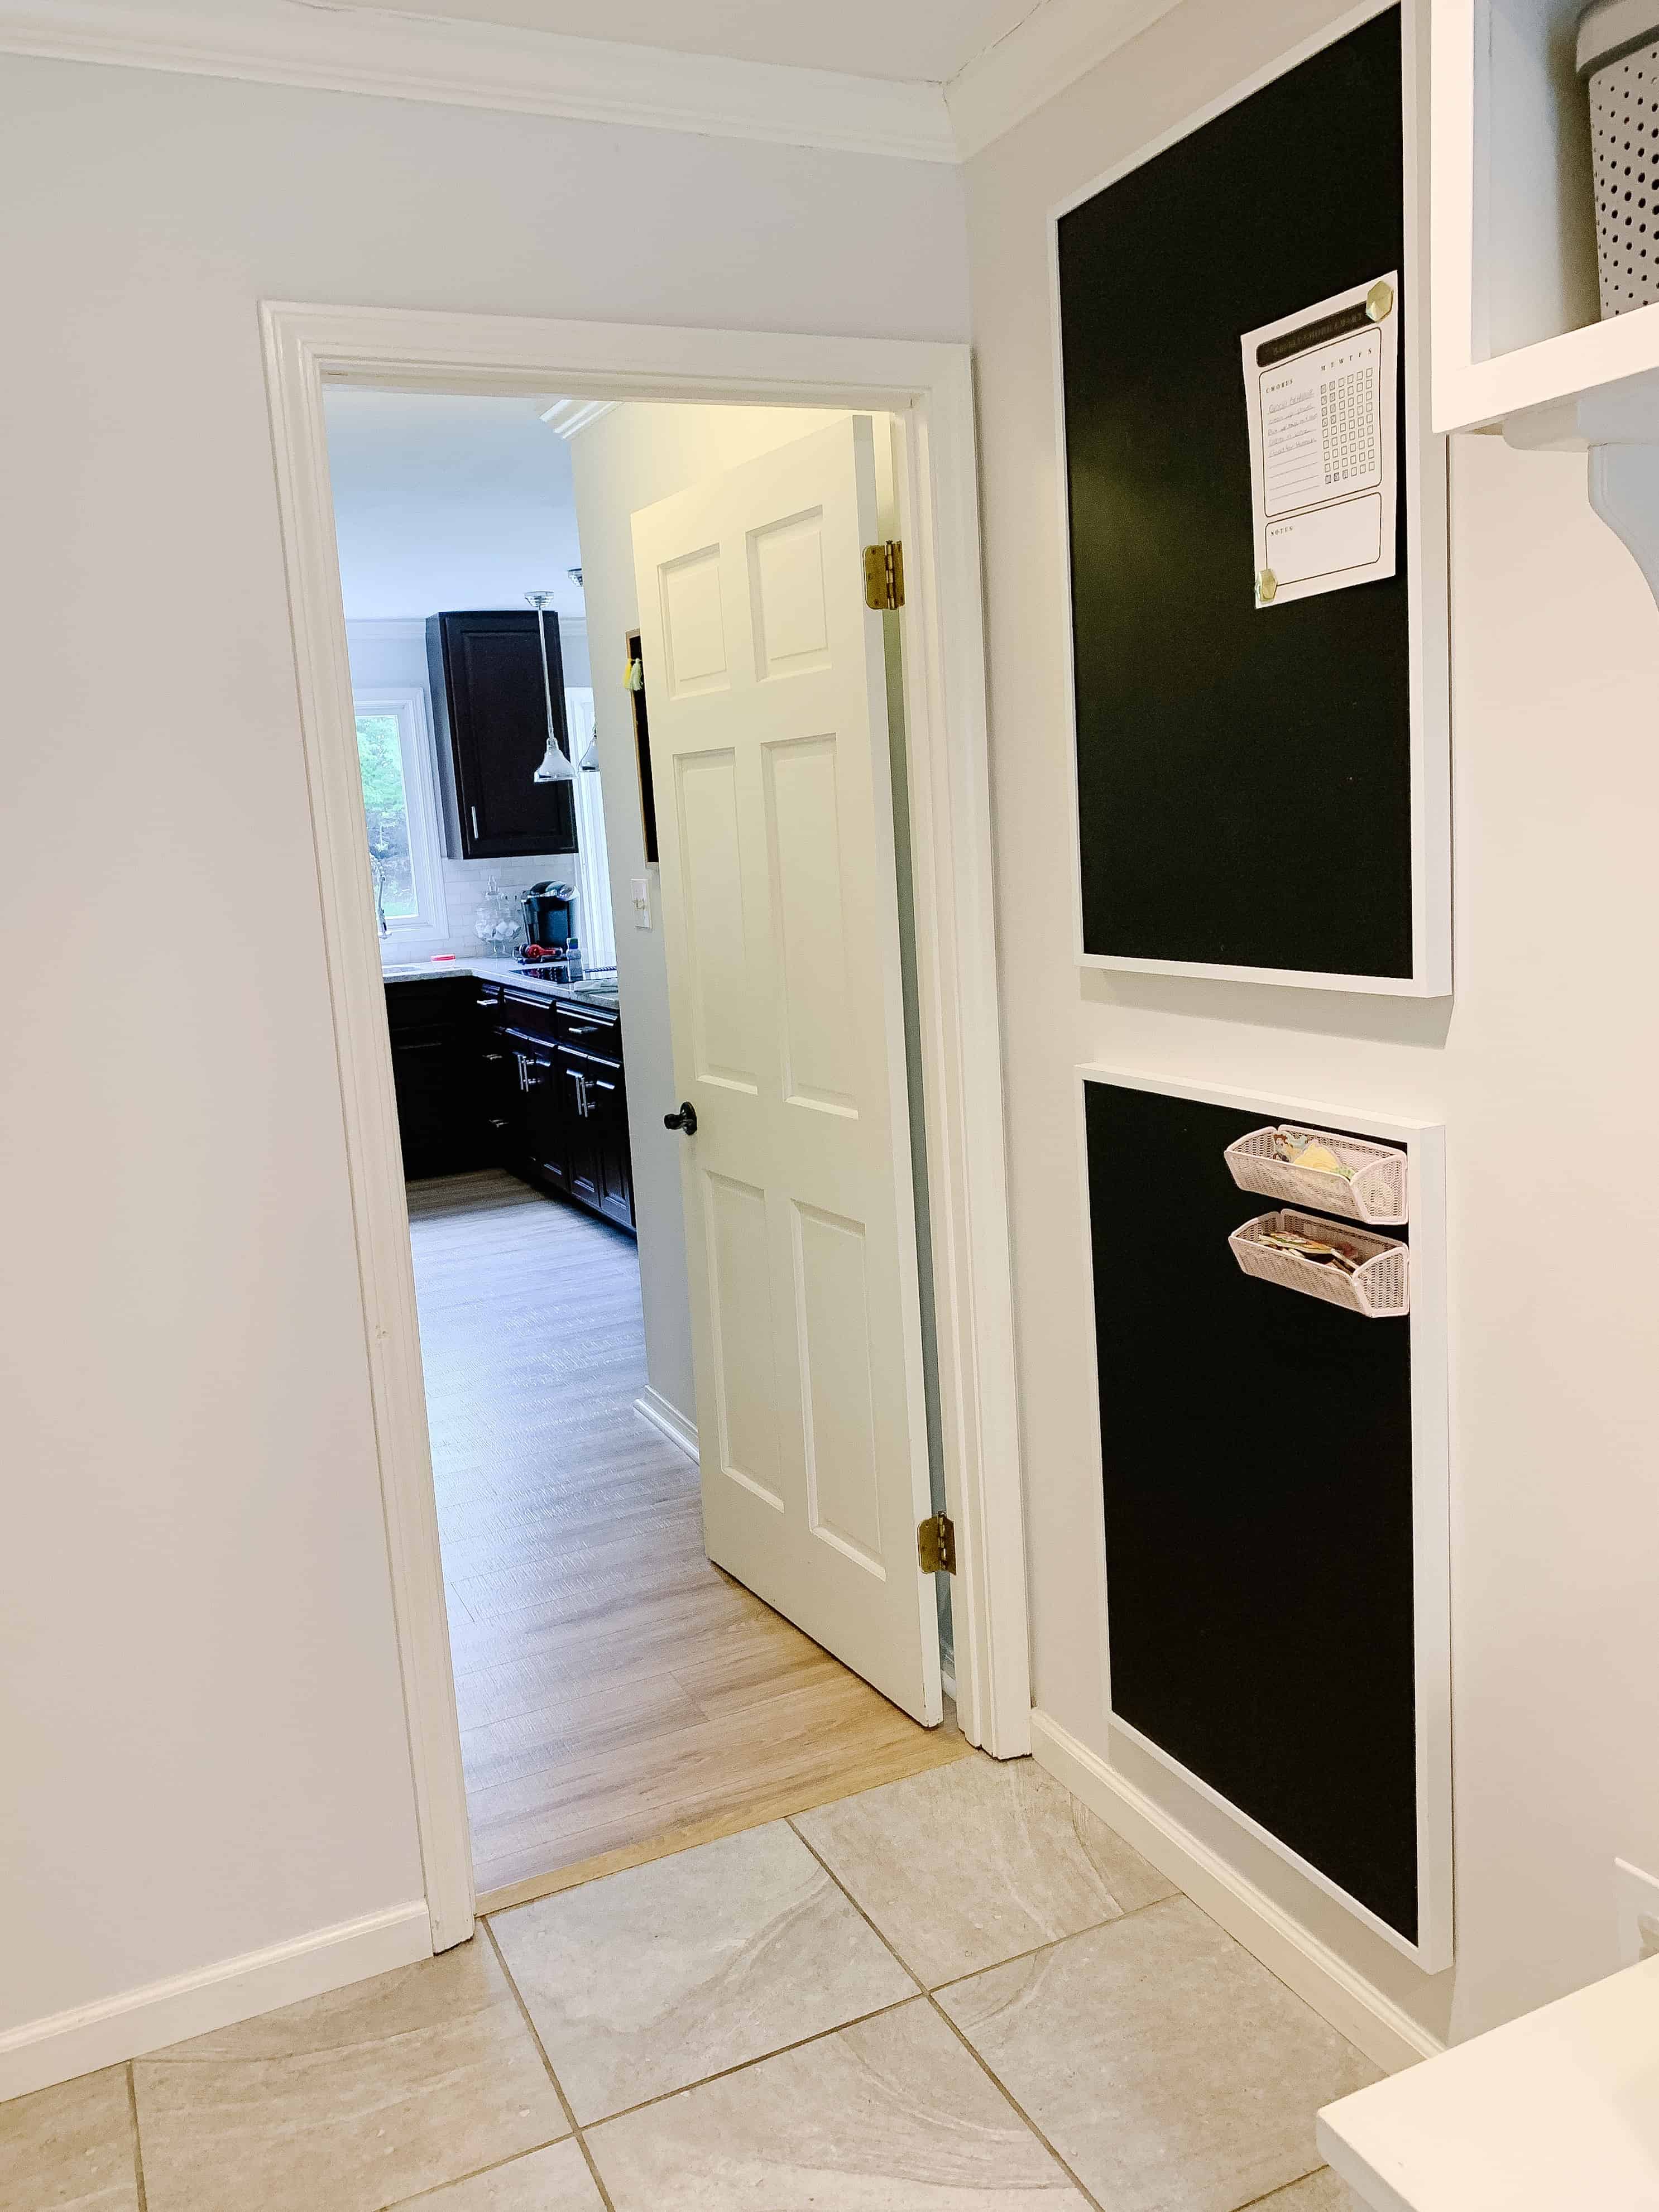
1243 777
1257 1450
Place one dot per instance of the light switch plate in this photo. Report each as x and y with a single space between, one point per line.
640 886
1638 1914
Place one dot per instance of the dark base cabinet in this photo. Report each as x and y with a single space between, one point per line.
434 1068
489 1076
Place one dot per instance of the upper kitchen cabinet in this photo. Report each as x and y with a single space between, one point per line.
490 708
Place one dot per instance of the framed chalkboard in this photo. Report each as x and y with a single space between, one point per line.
1262 793
1273 1487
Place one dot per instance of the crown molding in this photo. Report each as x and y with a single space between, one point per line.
469 65
1058 42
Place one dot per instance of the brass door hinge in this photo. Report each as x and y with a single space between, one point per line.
936 1545
883 576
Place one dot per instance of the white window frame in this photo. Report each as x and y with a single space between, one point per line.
429 924
595 925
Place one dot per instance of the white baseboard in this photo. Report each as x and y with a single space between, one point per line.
45 2052
1389 2036
652 1407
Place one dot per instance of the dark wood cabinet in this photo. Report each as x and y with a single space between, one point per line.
560 1118
434 1068
490 710
613 1170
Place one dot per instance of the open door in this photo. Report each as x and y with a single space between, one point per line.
769 727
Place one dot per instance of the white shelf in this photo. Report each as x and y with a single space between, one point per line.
1518 340
1558 2109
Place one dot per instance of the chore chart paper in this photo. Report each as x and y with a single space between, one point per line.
1321 389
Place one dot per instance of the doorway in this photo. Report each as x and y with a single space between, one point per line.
623 1688
927 387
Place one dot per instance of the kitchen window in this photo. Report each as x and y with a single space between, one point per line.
400 812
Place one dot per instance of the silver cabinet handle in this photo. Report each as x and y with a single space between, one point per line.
495 1056
485 1002
498 1122
474 812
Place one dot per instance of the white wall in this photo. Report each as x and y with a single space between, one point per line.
1545 1074
206 1751
626 461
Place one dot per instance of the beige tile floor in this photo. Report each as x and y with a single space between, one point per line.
959 1992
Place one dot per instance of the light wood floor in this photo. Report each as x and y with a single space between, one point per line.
620 1698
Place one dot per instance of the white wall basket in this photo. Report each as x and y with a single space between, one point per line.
1376 1194
1379 1289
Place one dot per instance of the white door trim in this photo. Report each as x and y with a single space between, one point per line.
929 388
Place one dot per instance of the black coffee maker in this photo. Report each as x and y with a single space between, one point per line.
550 917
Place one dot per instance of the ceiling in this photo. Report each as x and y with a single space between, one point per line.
443 501
927 40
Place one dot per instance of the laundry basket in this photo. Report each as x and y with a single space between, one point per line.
1379 1289
1619 61
1374 1191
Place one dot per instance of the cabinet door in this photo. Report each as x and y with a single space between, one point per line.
546 1138
420 1073
434 1073
490 708
575 1088
500 1101
613 1162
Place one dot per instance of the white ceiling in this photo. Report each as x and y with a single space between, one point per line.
926 39
443 502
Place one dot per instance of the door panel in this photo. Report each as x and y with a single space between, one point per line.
780 912
819 1043
721 1012
740 1316
832 1313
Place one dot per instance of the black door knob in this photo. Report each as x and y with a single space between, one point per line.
686 1119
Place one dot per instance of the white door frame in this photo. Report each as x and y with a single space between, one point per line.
929 388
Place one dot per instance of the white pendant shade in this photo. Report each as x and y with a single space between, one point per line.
555 766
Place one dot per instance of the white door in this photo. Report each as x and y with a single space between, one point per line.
765 679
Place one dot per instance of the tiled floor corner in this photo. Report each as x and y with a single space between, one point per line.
956 1993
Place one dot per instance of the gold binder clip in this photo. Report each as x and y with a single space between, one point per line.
1379 301
1267 587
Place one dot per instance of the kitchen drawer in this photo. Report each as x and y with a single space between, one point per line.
444 1003
597 1034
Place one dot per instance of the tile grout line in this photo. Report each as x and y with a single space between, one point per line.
1252 2204
137 2144
474 2173
1052 1943
1049 1943
1000 2086
744 2065
558 2087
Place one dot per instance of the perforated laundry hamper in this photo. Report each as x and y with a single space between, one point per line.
1619 61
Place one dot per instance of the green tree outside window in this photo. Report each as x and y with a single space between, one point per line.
386 805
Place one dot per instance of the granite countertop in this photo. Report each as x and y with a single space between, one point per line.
504 971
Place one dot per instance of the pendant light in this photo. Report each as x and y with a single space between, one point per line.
556 764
